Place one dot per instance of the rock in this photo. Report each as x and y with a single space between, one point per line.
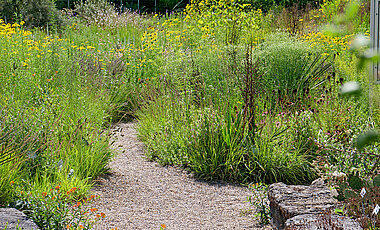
287 201
13 218
321 221
338 175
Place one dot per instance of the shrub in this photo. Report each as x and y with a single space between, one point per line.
291 69
266 5
58 208
35 13
104 14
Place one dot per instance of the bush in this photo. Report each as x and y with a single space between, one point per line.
291 68
104 14
35 13
266 5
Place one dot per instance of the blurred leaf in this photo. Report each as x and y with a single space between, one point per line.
340 19
352 10
376 180
350 194
350 88
367 138
362 63
359 42
332 30
355 182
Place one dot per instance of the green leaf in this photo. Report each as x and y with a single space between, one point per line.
352 11
355 183
350 194
376 180
339 211
332 30
367 138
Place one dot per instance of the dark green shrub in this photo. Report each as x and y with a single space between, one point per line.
266 5
35 13
61 4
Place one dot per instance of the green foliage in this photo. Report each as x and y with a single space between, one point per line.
267 5
259 200
56 209
35 13
291 69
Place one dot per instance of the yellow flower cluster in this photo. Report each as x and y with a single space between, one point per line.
225 16
11 29
327 42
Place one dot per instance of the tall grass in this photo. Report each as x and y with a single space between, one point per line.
221 94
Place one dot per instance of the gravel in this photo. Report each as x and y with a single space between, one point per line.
141 194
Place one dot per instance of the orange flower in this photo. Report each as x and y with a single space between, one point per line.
77 205
44 193
57 187
91 197
93 209
81 226
53 198
163 226
71 190
12 182
68 226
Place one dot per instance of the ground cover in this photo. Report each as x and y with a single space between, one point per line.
222 89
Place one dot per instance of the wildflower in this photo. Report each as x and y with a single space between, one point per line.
93 209
102 215
12 182
163 226
53 198
57 187
68 226
77 205
81 226
71 190
44 193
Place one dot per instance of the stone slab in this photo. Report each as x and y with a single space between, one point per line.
287 201
321 221
13 219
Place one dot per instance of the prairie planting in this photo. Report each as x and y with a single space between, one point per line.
221 88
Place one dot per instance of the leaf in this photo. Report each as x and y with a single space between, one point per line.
359 42
355 183
376 181
350 194
350 88
352 11
339 211
367 138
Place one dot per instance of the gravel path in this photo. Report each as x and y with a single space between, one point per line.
140 194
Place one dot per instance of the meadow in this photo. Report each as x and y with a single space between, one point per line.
223 89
